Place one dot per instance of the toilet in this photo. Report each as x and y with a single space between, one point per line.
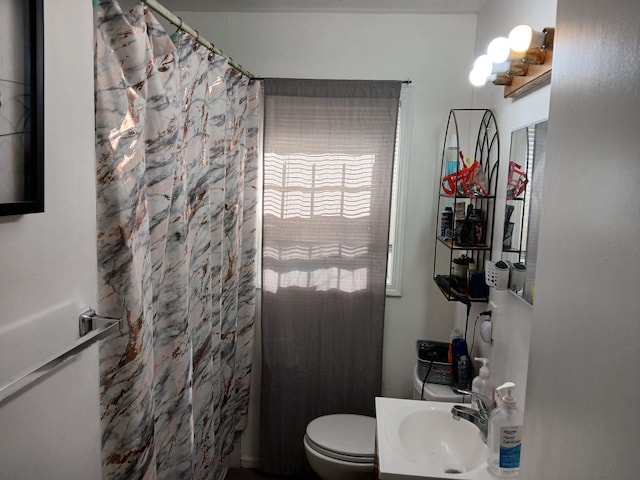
341 446
435 392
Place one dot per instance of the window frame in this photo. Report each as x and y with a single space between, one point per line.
399 192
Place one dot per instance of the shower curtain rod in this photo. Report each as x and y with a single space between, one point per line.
177 21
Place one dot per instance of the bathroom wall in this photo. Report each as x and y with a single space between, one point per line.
433 51
512 318
577 347
361 46
581 419
48 273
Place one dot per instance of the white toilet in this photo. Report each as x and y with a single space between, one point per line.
341 447
435 392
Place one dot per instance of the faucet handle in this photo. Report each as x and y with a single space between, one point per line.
485 404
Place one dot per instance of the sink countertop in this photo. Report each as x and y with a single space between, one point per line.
399 420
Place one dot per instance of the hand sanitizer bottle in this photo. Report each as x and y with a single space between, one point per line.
505 435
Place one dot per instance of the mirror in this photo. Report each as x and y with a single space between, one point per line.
523 207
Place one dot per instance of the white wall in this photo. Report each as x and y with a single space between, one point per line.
361 46
512 318
577 347
580 417
581 420
374 47
433 51
48 273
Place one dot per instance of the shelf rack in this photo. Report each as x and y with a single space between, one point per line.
471 231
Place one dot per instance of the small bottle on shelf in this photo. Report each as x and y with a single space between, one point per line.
446 223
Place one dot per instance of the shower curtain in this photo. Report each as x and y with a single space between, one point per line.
176 144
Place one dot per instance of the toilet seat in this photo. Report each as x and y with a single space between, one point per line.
350 438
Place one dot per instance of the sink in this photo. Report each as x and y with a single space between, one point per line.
433 439
421 440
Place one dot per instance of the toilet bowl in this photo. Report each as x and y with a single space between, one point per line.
341 446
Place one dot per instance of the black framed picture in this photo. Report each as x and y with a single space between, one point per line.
21 107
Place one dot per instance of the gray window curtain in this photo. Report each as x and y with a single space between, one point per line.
328 164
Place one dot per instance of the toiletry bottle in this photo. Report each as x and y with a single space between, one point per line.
455 333
451 155
482 383
505 435
446 223
461 364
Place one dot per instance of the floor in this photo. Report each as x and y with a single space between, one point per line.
248 474
243 474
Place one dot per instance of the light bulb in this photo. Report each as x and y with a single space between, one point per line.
520 38
483 65
477 78
498 49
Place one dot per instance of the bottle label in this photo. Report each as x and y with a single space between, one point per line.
510 443
463 372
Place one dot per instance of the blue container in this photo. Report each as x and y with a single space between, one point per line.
446 223
461 364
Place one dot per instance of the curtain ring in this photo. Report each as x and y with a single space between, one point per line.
181 22
197 35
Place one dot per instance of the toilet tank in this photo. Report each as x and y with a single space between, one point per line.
435 392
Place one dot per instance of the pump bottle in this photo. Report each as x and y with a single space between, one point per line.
505 435
482 383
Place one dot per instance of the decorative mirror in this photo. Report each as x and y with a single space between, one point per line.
523 207
21 107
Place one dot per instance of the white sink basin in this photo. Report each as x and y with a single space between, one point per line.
421 440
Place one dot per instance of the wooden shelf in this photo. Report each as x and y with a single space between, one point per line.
537 76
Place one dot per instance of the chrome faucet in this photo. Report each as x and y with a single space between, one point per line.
479 416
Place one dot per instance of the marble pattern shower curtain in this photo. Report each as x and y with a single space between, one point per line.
176 143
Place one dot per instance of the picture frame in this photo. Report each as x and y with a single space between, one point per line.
21 107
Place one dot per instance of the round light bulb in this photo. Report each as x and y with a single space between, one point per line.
520 38
477 78
498 49
483 65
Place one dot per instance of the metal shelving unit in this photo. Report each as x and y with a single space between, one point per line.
470 192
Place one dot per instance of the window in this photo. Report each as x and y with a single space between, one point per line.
398 189
396 224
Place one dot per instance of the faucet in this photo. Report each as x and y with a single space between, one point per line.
478 416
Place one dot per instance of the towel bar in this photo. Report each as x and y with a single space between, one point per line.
89 334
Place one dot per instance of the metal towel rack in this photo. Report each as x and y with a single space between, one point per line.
92 329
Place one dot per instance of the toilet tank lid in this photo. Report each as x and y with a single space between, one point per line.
344 433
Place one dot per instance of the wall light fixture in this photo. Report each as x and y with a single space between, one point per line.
520 61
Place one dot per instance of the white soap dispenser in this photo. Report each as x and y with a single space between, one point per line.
505 435
482 383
